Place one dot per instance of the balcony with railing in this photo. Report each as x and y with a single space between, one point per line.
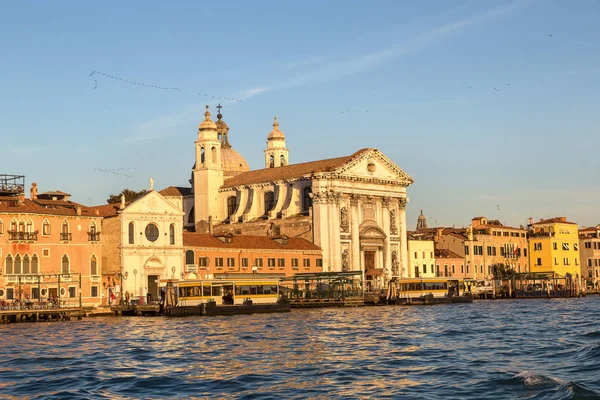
22 236
92 237
66 236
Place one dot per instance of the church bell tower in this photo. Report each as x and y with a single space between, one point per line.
208 174
276 154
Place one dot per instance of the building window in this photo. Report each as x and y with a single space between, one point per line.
231 262
566 261
35 269
424 268
244 262
231 205
131 233
269 201
189 257
202 155
589 262
539 262
467 268
453 271
17 266
294 263
9 265
219 262
45 252
319 263
72 292
306 263
65 265
94 291
554 246
524 252
466 250
588 245
306 199
1 227
93 266
271 262
172 234
565 246
416 271
576 261
555 261
64 232
46 228
35 293
537 246
258 262
416 255
281 262
202 261
26 264
575 246
151 232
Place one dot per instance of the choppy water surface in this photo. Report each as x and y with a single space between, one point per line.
535 349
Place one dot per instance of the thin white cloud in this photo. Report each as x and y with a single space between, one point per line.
353 65
584 43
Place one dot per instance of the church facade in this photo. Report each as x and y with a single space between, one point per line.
352 207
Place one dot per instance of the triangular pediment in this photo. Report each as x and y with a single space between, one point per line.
375 165
152 203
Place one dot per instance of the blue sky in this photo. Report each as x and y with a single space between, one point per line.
474 99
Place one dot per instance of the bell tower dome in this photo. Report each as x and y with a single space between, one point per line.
276 154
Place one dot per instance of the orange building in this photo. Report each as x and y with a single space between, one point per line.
208 256
451 265
49 248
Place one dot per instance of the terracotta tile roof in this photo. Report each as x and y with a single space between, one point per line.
444 253
590 229
106 210
56 193
290 171
555 220
246 242
44 207
175 191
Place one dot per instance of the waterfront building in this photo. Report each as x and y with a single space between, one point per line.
210 256
352 207
486 244
589 250
451 264
421 257
49 247
142 243
554 246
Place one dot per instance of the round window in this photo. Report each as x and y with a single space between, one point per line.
1 292
63 291
151 232
44 292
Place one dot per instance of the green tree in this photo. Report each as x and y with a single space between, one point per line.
503 270
130 195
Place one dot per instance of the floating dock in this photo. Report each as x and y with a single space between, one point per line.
41 315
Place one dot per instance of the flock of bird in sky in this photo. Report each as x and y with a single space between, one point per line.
118 171
146 85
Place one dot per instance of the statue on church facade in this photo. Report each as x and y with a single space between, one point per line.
345 266
393 226
344 223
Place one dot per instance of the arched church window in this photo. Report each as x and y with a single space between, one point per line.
192 217
231 205
269 201
282 160
202 155
9 265
213 155
271 161
306 199
172 234
131 231
189 257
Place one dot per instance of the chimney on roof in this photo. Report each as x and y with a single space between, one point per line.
21 198
33 191
210 224
530 220
97 212
78 210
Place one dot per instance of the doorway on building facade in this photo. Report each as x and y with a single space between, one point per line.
152 287
369 260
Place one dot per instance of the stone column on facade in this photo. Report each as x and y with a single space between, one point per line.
403 261
387 254
355 233
336 251
320 225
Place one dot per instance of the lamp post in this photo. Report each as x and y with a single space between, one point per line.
122 276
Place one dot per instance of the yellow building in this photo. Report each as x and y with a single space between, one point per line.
554 247
421 258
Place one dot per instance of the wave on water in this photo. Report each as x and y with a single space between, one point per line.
530 378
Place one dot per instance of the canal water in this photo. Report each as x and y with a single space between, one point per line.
526 349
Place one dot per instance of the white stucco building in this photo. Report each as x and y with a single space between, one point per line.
353 207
